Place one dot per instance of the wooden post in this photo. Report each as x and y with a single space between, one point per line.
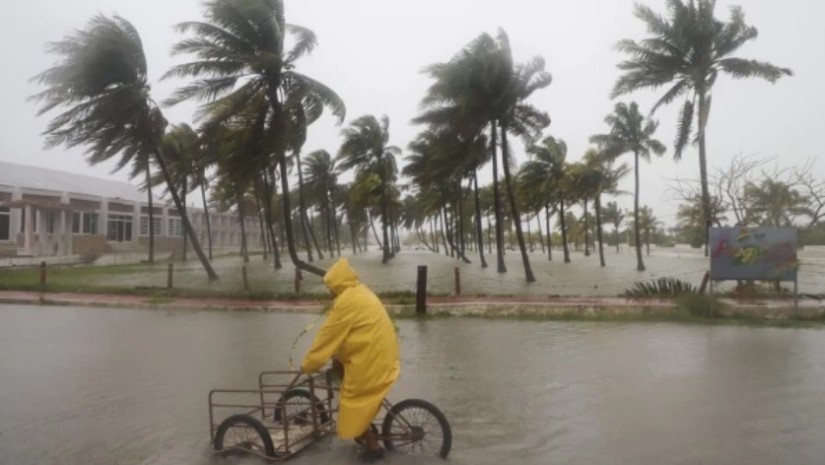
704 285
298 279
457 281
170 271
245 279
43 273
421 291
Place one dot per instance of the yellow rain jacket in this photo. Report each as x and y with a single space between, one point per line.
359 333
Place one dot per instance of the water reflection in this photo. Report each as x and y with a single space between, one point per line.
100 386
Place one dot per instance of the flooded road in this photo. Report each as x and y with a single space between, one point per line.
102 386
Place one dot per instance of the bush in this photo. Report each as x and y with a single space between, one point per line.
662 287
698 304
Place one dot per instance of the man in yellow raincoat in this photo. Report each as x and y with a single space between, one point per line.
359 333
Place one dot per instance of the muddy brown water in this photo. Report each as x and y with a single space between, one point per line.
107 386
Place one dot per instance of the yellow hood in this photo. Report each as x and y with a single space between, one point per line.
340 277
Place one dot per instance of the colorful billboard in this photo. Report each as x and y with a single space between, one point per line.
753 254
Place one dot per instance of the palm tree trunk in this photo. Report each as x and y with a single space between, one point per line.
549 233
270 193
441 230
434 236
352 232
564 233
489 235
393 245
242 221
598 205
206 214
640 265
541 236
290 237
305 225
502 268
460 220
385 223
264 238
454 250
184 218
616 231
374 232
647 240
151 213
703 165
309 222
505 163
529 236
479 232
586 229
183 213
335 223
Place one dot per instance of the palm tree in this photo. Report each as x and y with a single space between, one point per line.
689 50
484 87
631 133
601 177
101 83
241 58
180 147
615 216
322 184
649 223
546 172
366 148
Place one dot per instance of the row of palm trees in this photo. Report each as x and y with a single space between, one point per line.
256 108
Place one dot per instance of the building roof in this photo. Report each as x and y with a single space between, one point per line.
32 177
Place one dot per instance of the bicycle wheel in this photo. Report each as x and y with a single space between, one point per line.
417 427
297 405
244 433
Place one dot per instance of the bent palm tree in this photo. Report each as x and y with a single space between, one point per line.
631 133
690 49
101 83
241 56
366 148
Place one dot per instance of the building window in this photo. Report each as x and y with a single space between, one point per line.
5 223
119 228
175 227
84 223
51 220
144 225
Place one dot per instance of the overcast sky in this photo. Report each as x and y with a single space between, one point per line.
371 52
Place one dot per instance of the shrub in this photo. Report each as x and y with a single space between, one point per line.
662 287
699 305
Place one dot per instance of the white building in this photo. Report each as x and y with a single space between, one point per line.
46 212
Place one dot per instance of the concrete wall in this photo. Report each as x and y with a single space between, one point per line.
163 244
90 245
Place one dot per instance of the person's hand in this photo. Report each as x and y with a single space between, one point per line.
338 368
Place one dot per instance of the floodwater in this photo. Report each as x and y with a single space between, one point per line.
582 277
106 386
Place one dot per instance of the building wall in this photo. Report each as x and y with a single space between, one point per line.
90 244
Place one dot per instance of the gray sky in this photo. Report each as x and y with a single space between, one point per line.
371 52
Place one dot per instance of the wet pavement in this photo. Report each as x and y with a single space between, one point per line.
103 386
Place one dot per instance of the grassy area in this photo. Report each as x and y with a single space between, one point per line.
85 280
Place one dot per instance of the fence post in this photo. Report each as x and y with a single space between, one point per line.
298 279
43 273
245 279
170 271
421 291
457 281
704 285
